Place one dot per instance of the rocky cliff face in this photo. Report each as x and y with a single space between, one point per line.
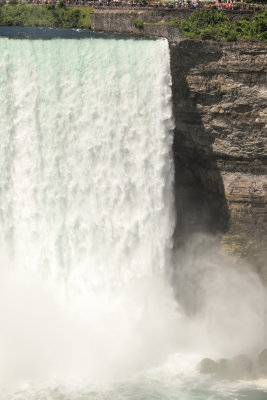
220 142
220 138
122 21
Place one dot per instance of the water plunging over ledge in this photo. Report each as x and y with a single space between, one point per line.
86 226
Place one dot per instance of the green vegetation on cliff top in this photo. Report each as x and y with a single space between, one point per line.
205 24
46 16
202 24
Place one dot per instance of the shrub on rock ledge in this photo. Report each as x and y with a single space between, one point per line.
138 23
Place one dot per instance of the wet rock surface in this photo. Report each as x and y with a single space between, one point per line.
208 366
262 362
240 367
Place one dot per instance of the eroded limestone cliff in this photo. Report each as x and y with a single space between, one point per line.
220 138
220 142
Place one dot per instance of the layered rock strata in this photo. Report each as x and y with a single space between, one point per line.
220 142
220 148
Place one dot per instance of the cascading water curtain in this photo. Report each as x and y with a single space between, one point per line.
86 202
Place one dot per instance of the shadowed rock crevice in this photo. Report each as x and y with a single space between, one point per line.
199 190
240 367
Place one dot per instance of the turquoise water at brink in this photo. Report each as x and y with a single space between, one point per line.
86 225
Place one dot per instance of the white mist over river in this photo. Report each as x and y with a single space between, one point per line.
86 225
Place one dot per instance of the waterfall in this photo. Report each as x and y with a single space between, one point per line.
86 171
86 226
86 205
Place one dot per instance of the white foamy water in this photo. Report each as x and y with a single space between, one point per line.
86 226
86 204
85 159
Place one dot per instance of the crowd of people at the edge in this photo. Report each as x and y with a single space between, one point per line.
193 4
